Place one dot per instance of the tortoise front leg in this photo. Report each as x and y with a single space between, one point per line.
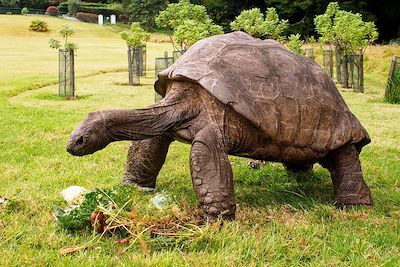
145 159
212 175
347 177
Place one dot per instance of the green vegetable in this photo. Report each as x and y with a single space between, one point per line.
78 216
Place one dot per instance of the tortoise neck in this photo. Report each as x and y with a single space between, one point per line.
138 124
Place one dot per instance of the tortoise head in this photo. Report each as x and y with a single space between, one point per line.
89 136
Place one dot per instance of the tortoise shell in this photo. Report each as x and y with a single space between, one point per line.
287 95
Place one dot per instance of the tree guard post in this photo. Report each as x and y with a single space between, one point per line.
142 60
361 72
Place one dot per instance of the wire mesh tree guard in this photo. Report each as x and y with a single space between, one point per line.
327 59
136 64
356 64
349 69
161 63
392 92
352 71
66 73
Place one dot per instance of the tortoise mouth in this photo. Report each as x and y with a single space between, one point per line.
80 146
74 150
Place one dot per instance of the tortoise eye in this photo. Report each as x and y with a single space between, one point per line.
79 141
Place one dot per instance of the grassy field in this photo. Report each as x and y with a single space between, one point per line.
280 221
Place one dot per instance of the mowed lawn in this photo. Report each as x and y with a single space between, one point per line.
281 220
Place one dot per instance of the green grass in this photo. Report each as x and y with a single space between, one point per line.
280 221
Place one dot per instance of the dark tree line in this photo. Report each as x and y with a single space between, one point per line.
300 13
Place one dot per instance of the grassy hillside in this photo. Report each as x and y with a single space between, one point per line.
26 58
281 221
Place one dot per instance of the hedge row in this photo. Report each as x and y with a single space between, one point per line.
94 8
86 17
106 11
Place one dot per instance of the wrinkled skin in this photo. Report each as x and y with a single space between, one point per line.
295 127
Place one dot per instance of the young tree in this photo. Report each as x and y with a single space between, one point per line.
66 31
66 75
324 24
296 44
188 22
190 31
252 21
274 27
135 40
137 37
346 31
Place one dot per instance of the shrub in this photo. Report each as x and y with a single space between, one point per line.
176 13
105 10
86 17
52 11
188 22
94 8
73 7
190 31
253 22
38 25
24 11
63 7
312 40
296 44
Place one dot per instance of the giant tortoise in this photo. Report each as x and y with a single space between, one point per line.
232 94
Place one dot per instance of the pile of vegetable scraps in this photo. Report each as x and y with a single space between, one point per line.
112 212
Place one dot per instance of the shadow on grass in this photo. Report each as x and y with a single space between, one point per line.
132 86
273 186
55 97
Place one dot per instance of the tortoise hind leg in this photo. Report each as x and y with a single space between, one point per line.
347 177
145 159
